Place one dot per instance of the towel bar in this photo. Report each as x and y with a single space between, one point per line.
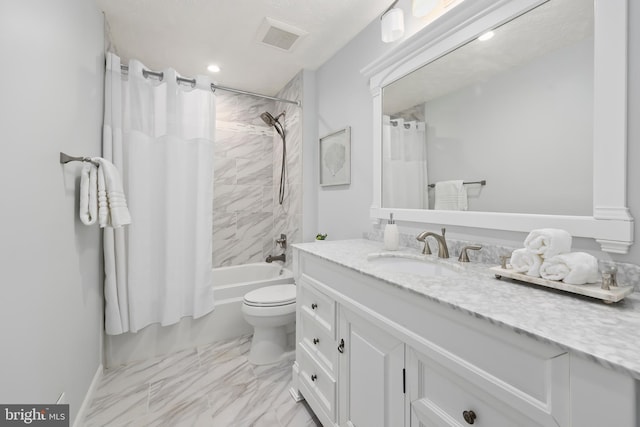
483 182
65 158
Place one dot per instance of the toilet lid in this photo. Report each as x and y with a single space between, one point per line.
272 295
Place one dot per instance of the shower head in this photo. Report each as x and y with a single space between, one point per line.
275 123
269 119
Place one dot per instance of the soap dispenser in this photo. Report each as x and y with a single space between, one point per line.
391 236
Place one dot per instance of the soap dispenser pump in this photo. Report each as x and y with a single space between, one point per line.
391 235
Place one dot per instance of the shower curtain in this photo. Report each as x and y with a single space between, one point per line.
159 134
404 164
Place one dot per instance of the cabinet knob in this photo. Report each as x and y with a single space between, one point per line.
469 417
314 377
314 306
316 340
341 346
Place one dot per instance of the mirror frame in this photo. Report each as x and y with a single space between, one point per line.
611 224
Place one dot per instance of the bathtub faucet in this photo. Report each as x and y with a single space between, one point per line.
272 258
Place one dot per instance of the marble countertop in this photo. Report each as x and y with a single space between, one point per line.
608 334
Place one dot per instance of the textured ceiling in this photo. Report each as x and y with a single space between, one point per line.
188 35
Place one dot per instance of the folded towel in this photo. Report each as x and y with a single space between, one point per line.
451 196
89 194
575 268
548 242
523 261
112 204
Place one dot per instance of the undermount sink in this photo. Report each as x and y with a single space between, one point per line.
414 266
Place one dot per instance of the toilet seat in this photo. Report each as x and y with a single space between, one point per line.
271 296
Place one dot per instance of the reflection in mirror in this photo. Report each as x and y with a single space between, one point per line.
515 110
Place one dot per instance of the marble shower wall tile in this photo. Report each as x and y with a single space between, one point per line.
238 140
255 171
242 173
288 216
225 105
225 171
248 155
237 198
224 225
252 226
268 195
249 108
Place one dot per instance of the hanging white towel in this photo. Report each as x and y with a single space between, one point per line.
548 242
575 268
89 194
112 204
524 261
451 196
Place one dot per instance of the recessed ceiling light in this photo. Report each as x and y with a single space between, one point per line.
486 36
213 68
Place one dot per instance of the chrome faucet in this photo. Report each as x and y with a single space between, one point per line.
443 251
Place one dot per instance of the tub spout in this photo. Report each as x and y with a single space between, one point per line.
272 258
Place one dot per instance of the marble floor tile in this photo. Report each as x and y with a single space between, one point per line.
221 352
116 409
211 385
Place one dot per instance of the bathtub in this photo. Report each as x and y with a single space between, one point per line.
230 284
226 321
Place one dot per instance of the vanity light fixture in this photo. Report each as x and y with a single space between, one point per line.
392 23
213 68
421 8
486 36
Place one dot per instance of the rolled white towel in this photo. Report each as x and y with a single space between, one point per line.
88 211
575 268
548 242
524 261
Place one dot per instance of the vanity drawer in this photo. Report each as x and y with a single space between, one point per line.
317 385
317 306
318 342
439 396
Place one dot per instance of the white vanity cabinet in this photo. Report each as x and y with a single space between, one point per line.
371 389
316 351
370 353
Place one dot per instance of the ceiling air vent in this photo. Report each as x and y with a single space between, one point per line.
279 35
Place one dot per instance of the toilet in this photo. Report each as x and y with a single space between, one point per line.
269 310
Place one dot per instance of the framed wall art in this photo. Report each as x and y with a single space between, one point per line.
335 158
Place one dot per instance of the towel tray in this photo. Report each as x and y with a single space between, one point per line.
592 290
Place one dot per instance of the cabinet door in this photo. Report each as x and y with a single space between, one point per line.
371 389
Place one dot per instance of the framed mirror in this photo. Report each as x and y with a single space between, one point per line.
537 113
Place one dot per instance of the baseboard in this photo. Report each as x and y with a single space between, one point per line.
88 397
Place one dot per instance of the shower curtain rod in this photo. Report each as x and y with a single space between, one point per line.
214 86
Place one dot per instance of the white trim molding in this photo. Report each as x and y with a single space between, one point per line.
82 412
611 224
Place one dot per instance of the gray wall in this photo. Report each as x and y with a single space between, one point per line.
51 294
344 99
